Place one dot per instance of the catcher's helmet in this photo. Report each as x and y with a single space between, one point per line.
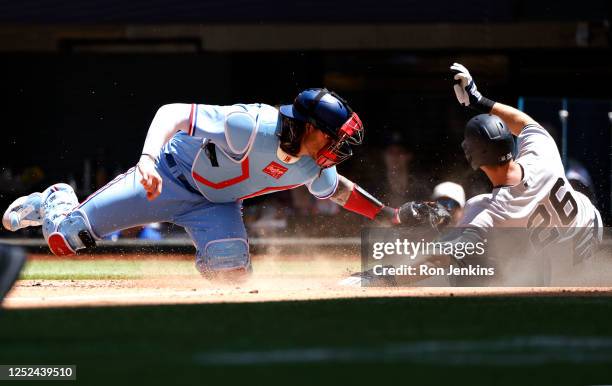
487 141
331 114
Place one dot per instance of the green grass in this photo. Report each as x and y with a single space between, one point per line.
157 345
101 269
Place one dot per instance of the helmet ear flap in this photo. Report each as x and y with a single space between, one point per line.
487 141
468 153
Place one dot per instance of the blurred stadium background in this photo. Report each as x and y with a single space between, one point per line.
81 82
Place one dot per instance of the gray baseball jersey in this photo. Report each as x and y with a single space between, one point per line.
544 198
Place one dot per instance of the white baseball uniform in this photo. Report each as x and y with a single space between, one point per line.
543 199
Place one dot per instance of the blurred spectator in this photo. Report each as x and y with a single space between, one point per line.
7 181
580 179
305 204
101 178
452 197
272 221
326 207
267 215
302 201
268 218
311 217
401 181
32 176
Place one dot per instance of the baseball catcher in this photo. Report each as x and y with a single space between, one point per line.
199 162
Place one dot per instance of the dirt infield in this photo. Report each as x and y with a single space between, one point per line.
172 280
181 290
70 293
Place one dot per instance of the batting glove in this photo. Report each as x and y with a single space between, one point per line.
466 91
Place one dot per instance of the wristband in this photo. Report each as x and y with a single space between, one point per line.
483 105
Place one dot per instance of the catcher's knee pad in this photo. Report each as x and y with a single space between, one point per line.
69 233
225 256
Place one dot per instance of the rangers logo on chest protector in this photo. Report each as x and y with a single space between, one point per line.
275 170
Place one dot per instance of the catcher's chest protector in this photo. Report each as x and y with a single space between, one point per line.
239 156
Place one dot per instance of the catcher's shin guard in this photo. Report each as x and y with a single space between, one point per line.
69 233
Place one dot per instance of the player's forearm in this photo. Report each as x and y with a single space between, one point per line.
342 194
353 198
514 118
167 121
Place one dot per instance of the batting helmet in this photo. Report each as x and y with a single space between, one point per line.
331 114
487 141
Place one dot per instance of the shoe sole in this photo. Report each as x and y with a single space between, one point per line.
59 245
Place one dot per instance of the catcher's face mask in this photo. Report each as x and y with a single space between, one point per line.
339 149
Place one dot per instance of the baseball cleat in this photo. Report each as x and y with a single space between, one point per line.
23 212
368 279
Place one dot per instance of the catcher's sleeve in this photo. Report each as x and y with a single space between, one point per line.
325 184
168 120
355 199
